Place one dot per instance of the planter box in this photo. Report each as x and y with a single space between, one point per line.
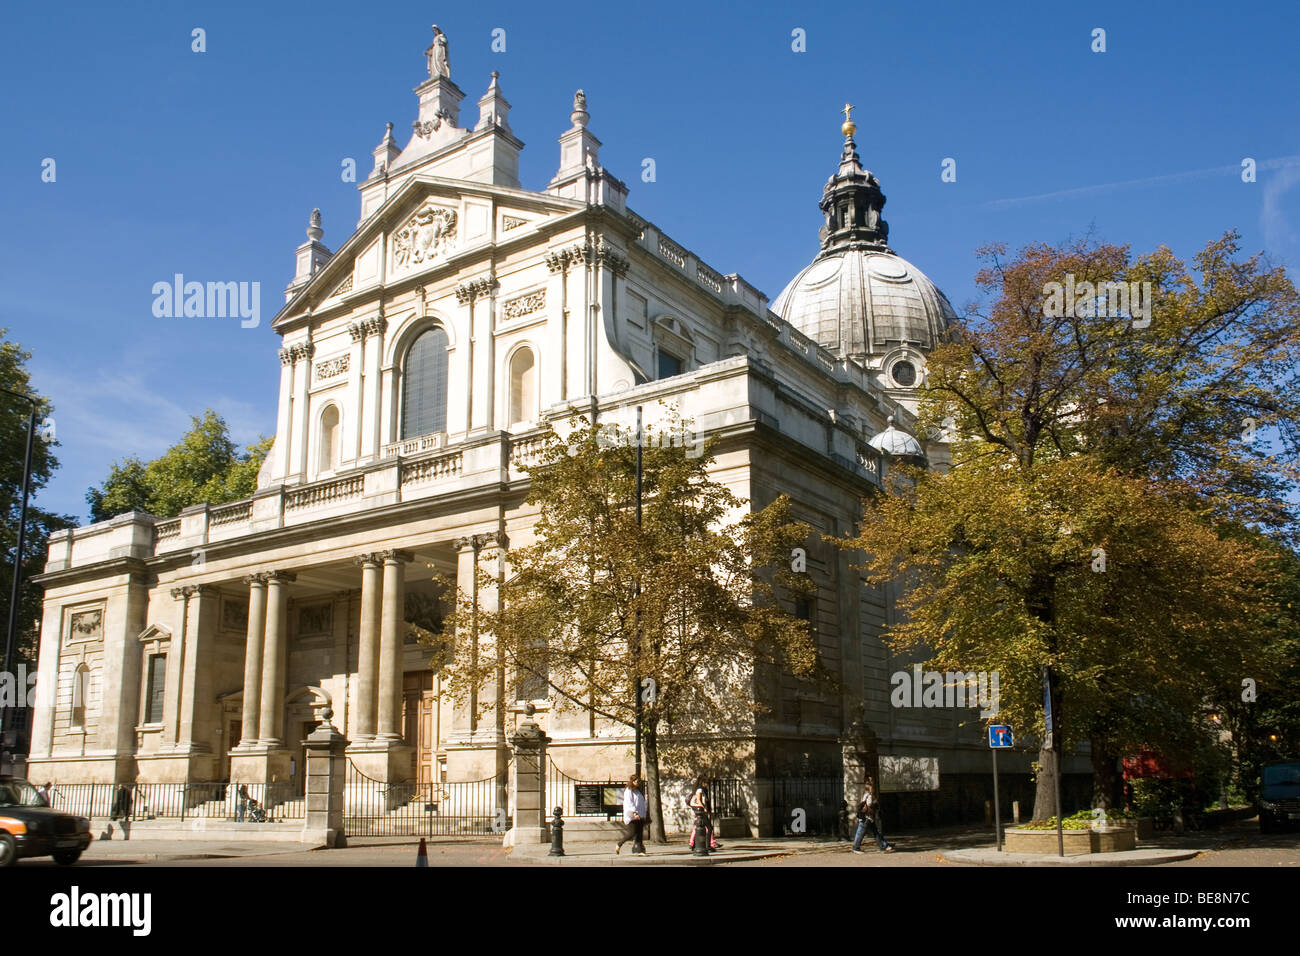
1016 840
1077 842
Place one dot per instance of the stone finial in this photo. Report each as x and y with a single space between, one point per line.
314 231
580 116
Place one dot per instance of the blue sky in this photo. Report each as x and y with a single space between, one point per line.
208 164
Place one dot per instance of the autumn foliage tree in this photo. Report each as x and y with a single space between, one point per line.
680 610
1103 512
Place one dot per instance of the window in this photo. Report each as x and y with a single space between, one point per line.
80 691
424 385
157 689
523 387
904 373
327 451
669 365
532 682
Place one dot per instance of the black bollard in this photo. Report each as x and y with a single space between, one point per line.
557 834
702 834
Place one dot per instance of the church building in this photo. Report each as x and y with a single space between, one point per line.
418 362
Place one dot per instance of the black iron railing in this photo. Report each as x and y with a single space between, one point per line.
460 808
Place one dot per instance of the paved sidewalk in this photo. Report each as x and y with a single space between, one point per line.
124 852
676 853
1145 856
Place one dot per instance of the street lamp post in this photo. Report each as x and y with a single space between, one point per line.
637 610
11 639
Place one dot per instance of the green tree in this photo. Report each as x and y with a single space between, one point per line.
681 610
204 466
1079 426
40 523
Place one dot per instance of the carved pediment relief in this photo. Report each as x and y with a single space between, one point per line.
427 236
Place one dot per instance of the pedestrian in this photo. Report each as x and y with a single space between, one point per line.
869 816
634 816
122 810
241 804
47 793
702 803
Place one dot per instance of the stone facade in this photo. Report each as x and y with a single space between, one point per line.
200 643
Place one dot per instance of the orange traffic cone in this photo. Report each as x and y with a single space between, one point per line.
422 857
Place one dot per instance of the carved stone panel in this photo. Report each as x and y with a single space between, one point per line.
426 236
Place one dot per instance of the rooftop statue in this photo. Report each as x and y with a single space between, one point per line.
439 64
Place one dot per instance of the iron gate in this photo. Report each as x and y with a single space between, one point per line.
815 803
467 808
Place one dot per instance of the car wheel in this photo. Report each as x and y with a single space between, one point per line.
8 850
67 857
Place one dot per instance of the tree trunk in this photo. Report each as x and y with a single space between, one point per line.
655 805
1045 788
1106 788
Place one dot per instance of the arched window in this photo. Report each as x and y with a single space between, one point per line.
80 691
327 442
523 387
424 385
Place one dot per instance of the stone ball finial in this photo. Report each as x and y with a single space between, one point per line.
889 422
314 231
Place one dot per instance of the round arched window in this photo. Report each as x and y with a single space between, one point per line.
424 385
904 373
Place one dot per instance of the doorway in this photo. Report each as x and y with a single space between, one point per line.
419 723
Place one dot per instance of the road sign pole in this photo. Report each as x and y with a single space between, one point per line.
997 812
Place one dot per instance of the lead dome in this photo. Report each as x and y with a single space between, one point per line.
858 297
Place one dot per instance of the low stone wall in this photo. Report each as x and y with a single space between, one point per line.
1077 842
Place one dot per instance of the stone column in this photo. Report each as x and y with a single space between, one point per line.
253 659
356 376
529 796
392 633
284 421
326 768
372 350
201 618
174 694
368 657
302 406
270 727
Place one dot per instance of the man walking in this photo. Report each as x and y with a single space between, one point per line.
634 816
869 816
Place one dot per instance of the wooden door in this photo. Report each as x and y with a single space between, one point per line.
419 728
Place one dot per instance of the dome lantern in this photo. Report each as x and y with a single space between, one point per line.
852 200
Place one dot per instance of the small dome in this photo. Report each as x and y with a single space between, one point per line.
863 302
897 443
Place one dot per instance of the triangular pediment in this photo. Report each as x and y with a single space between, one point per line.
426 223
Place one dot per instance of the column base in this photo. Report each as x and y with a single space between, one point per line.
259 763
389 761
178 765
473 760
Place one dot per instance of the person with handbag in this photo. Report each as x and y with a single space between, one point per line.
869 816
635 816
701 802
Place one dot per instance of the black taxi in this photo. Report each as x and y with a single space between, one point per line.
29 827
